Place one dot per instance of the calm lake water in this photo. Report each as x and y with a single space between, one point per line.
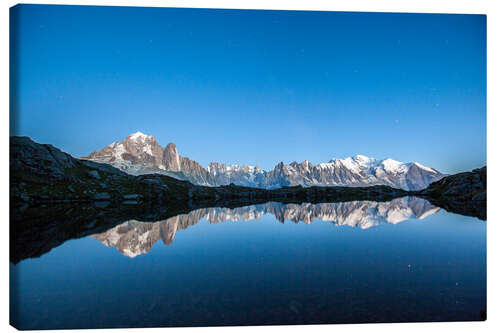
352 262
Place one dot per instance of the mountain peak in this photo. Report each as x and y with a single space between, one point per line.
138 135
172 146
391 165
362 158
171 158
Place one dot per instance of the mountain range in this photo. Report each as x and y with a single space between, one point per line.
140 154
134 237
94 197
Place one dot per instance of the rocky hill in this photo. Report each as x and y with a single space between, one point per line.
464 193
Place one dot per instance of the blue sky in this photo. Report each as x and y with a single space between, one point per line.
253 87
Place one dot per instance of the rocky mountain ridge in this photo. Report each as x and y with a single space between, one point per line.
463 193
140 154
41 173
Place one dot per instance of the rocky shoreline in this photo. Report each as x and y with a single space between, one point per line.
463 193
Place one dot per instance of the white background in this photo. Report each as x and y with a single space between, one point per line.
491 8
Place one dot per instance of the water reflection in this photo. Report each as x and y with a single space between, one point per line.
133 238
357 262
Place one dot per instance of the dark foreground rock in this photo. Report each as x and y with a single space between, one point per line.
463 193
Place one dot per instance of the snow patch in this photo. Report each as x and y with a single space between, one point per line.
138 135
119 149
424 167
391 165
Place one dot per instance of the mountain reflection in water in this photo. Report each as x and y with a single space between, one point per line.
291 263
134 237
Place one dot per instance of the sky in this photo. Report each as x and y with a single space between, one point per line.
253 87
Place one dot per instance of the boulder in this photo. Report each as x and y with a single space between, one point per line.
480 196
102 196
94 174
131 196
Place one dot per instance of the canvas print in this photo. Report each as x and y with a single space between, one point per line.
205 167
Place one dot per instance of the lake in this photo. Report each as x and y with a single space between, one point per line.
271 263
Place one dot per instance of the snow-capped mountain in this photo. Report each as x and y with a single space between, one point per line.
141 154
133 238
